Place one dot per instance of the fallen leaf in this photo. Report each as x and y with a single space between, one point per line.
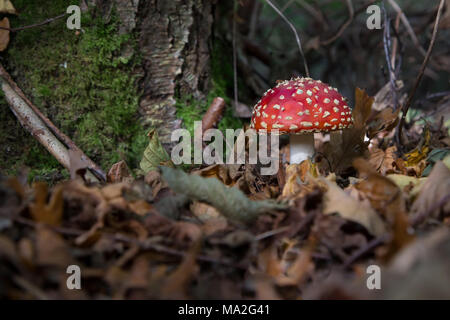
155 154
119 172
384 161
176 283
337 200
50 213
403 181
51 249
384 120
433 192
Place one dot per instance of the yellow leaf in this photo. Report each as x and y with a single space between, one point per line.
4 34
7 7
420 153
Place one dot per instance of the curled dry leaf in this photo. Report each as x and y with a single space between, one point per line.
155 154
119 172
431 199
386 198
337 200
384 120
384 161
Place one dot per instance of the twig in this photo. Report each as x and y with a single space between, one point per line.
365 250
235 81
271 233
50 20
42 128
396 42
387 46
31 288
297 38
419 76
213 114
344 26
315 13
408 27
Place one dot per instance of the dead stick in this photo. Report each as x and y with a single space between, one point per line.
43 123
213 114
61 136
419 76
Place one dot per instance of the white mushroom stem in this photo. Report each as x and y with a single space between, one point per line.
302 147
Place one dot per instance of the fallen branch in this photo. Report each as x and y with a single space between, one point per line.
40 127
398 135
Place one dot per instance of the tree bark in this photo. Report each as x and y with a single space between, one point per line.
174 43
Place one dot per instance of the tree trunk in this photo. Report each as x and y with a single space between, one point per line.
174 43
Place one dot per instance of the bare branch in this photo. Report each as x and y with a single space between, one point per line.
420 75
342 28
297 38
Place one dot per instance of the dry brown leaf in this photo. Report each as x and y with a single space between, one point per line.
301 266
176 283
433 193
386 198
337 200
384 161
119 172
384 120
50 213
384 97
51 248
349 144
299 179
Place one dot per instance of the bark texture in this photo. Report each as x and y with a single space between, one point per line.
174 43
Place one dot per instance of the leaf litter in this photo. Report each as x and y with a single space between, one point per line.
226 232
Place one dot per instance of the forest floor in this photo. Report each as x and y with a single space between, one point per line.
366 204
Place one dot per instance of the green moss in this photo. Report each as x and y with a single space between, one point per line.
81 82
190 110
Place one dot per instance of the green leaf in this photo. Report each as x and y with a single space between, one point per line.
231 202
155 154
433 157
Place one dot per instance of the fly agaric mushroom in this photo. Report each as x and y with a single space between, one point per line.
300 107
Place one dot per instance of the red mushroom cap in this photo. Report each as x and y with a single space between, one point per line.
302 105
